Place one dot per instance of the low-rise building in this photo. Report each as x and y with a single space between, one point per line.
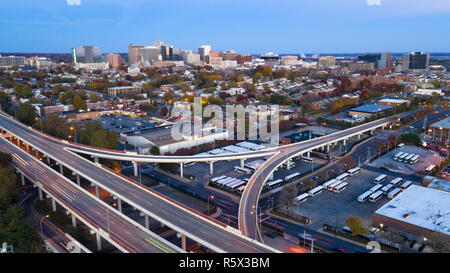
368 110
123 90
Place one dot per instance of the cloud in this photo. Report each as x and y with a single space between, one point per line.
373 2
73 2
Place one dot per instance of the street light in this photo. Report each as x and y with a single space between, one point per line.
72 128
40 224
40 122
212 198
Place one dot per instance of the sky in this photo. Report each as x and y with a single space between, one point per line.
247 26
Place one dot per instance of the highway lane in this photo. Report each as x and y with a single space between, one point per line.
249 199
119 229
198 228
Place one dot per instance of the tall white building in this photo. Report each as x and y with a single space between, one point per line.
150 54
204 50
190 57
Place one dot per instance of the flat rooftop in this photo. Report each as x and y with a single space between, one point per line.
395 101
420 206
445 123
371 108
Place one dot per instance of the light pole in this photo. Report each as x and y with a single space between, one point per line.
40 122
212 198
40 224
72 128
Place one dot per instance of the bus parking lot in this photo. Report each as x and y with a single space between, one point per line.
427 157
333 208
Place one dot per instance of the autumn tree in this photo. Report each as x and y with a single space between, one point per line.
355 225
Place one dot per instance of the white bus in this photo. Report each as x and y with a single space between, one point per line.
376 188
374 197
307 159
401 145
406 184
237 185
402 157
396 181
380 179
332 186
274 184
240 189
394 193
397 155
187 164
242 170
408 158
326 184
342 176
363 197
354 171
292 177
387 188
215 179
341 187
223 182
429 169
301 198
415 159
317 190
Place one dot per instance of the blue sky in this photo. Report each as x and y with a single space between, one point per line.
247 26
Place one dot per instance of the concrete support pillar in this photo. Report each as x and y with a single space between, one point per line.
28 146
119 204
53 204
22 177
183 242
96 191
345 142
211 167
96 159
99 241
308 154
48 159
135 166
359 137
242 162
147 225
271 176
181 169
74 221
61 169
328 148
40 193
78 179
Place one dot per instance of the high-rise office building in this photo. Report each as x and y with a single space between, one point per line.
415 61
229 55
380 60
114 60
166 52
134 54
204 51
150 54
87 54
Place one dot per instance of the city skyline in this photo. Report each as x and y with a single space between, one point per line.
361 26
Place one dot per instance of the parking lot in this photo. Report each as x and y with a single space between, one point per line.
333 208
121 123
427 157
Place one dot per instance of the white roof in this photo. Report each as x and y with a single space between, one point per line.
397 101
235 149
420 206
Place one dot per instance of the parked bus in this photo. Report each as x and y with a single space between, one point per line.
415 159
374 197
363 197
307 159
394 193
406 184
380 179
398 155
240 189
331 186
354 171
187 164
236 185
408 158
342 176
317 190
223 182
402 158
301 198
274 184
396 181
376 188
387 188
242 170
429 169
341 187
401 145
292 177
326 184
215 179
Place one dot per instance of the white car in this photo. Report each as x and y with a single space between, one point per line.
374 230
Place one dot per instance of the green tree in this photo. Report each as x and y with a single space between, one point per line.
154 150
26 113
355 225
7 187
79 103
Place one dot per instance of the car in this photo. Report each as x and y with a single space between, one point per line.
374 230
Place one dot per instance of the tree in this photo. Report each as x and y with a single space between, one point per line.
26 113
7 187
411 138
154 150
286 196
5 159
355 225
79 103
